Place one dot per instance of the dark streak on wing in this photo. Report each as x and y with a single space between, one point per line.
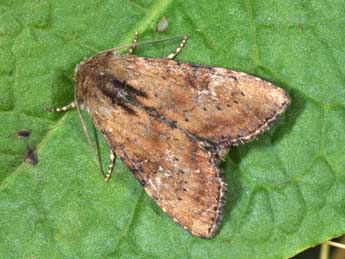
207 144
127 87
125 95
120 93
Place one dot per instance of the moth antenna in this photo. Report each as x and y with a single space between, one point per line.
181 37
92 145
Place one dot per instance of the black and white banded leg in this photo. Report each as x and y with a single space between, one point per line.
179 48
135 40
111 165
67 107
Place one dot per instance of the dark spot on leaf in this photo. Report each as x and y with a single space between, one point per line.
23 133
31 155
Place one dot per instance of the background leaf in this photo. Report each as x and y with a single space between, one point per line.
286 190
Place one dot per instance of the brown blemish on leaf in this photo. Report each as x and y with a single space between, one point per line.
162 25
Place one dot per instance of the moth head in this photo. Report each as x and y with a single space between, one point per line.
87 77
80 87
94 73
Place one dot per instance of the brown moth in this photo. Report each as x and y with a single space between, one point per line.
172 122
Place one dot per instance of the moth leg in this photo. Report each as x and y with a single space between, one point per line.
111 165
178 50
67 107
135 40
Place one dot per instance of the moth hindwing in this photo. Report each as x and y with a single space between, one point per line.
171 122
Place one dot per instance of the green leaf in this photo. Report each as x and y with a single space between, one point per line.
286 190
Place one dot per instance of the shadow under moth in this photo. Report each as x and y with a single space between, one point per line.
172 122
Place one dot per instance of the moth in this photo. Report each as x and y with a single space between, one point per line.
172 122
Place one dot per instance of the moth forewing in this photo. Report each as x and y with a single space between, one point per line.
220 106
